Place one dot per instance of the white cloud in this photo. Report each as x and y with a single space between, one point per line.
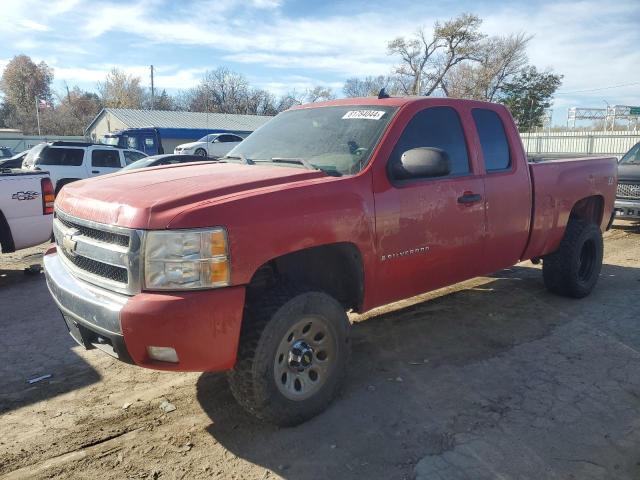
590 43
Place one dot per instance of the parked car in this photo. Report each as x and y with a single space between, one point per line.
70 161
168 159
628 194
156 141
26 209
5 153
214 145
249 265
15 161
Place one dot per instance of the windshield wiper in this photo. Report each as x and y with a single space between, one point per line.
299 161
242 158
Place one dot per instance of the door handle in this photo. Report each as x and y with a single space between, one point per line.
469 197
95 171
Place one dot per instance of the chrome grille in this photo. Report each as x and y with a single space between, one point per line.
105 255
628 190
107 237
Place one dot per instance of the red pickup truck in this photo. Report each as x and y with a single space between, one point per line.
249 265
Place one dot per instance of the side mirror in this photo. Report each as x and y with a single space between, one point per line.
422 162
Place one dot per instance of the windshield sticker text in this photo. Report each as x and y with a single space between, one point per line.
364 114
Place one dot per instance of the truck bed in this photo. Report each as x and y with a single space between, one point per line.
558 185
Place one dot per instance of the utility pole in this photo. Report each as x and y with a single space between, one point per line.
38 114
152 90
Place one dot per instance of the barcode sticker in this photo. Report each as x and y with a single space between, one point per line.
364 114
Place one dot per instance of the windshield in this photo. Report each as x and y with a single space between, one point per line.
338 140
144 162
206 138
632 157
5 153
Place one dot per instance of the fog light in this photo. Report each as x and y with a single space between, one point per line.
163 354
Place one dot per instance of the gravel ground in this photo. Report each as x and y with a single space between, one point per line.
492 378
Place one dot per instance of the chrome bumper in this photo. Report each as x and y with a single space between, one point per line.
627 208
86 304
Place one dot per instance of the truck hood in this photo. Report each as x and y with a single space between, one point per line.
150 198
629 172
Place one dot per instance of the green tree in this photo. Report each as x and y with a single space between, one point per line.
528 95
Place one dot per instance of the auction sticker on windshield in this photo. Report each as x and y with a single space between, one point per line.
364 114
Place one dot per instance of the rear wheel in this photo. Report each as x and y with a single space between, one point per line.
201 152
573 269
292 356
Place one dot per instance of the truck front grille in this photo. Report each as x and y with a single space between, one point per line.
110 272
105 255
107 237
628 190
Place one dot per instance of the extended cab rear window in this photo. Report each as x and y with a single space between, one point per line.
493 139
68 157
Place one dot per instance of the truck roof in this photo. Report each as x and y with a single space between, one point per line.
397 102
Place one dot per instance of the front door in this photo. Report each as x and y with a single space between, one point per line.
429 231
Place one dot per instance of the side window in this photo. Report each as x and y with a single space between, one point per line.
436 127
67 157
235 138
130 157
148 141
105 158
132 142
493 139
228 138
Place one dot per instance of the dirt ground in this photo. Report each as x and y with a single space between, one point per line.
492 378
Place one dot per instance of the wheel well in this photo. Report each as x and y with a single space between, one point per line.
6 239
335 269
589 209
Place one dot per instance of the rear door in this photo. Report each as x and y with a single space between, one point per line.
104 161
507 188
63 163
429 232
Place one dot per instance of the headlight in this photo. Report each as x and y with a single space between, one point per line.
186 259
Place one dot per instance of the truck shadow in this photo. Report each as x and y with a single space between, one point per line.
394 409
35 342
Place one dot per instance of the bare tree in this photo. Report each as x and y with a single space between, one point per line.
368 86
500 59
319 94
426 59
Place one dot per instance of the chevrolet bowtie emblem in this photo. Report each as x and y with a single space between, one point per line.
69 244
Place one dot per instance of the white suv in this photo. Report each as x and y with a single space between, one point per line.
70 161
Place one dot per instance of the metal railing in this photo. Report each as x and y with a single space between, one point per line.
579 143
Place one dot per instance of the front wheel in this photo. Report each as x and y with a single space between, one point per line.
293 353
573 269
201 152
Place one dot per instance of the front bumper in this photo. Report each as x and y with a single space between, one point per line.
202 326
627 209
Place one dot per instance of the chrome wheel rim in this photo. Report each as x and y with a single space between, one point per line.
305 358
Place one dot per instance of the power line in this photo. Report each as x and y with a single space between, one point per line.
599 89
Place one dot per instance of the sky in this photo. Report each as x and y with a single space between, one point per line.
282 45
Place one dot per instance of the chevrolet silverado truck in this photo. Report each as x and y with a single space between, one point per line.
249 265
26 209
627 205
